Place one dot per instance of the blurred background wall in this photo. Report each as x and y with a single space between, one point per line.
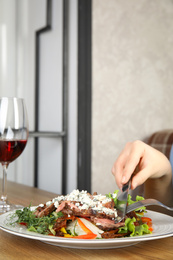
132 59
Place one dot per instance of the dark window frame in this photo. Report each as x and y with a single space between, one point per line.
84 94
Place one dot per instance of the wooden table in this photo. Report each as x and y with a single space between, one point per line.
14 247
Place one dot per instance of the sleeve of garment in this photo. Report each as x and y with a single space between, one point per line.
171 160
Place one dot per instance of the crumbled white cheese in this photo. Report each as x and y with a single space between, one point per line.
114 195
48 203
84 206
84 201
56 203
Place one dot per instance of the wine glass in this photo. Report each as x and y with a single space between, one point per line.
13 139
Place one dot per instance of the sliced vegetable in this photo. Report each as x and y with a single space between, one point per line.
146 219
74 228
150 229
67 235
92 227
85 229
23 223
63 230
87 236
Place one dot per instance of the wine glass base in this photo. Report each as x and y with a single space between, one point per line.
6 207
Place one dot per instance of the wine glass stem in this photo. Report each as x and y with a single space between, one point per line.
4 184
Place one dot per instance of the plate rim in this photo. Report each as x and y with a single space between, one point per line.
90 243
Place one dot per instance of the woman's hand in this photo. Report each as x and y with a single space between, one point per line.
142 161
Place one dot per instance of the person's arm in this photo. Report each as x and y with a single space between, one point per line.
148 166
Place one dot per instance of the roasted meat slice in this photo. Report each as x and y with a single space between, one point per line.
106 224
44 211
72 208
59 224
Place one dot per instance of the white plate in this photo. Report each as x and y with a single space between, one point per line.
162 224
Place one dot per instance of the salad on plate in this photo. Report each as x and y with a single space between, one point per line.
81 215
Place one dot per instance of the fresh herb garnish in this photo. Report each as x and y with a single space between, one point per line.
42 225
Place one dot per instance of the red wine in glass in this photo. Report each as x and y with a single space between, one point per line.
11 149
13 139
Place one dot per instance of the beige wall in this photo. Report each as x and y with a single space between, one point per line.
132 78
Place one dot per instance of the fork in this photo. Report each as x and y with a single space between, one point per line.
146 202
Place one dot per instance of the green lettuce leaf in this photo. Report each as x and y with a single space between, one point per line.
114 196
135 230
138 198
